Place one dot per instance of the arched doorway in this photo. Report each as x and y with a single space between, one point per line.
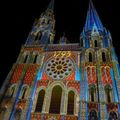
108 91
103 57
90 57
40 101
95 43
92 93
113 116
55 100
23 93
70 106
93 115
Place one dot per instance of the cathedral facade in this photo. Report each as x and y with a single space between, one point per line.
65 81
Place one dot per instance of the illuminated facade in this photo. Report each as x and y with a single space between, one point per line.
64 81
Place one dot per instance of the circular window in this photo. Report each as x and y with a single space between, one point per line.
59 68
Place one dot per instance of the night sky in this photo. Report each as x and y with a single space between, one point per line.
18 17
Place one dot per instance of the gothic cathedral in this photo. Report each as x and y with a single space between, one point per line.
64 81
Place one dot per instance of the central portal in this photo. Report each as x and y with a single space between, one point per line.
56 100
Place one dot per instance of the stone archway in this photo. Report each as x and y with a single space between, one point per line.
92 115
70 107
40 101
113 116
55 103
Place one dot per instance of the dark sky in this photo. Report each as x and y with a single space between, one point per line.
18 17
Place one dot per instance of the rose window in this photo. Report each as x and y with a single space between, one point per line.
59 68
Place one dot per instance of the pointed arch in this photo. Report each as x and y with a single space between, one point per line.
40 101
55 103
35 59
112 116
92 93
108 91
90 57
70 106
25 59
12 90
76 100
49 92
23 92
95 43
103 56
38 36
93 115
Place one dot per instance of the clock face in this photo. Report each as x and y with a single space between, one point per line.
59 67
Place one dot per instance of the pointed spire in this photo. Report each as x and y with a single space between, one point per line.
94 30
63 39
51 5
93 19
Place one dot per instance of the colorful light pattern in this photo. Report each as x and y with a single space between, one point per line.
95 81
30 74
17 73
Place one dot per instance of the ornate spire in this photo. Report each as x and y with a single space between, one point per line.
51 5
63 39
43 29
93 19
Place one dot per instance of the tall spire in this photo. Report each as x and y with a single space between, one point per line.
63 39
51 5
43 29
93 19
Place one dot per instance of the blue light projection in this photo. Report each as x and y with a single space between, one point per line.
16 101
93 18
114 85
119 110
39 75
105 43
87 45
86 85
114 56
77 74
118 70
29 111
